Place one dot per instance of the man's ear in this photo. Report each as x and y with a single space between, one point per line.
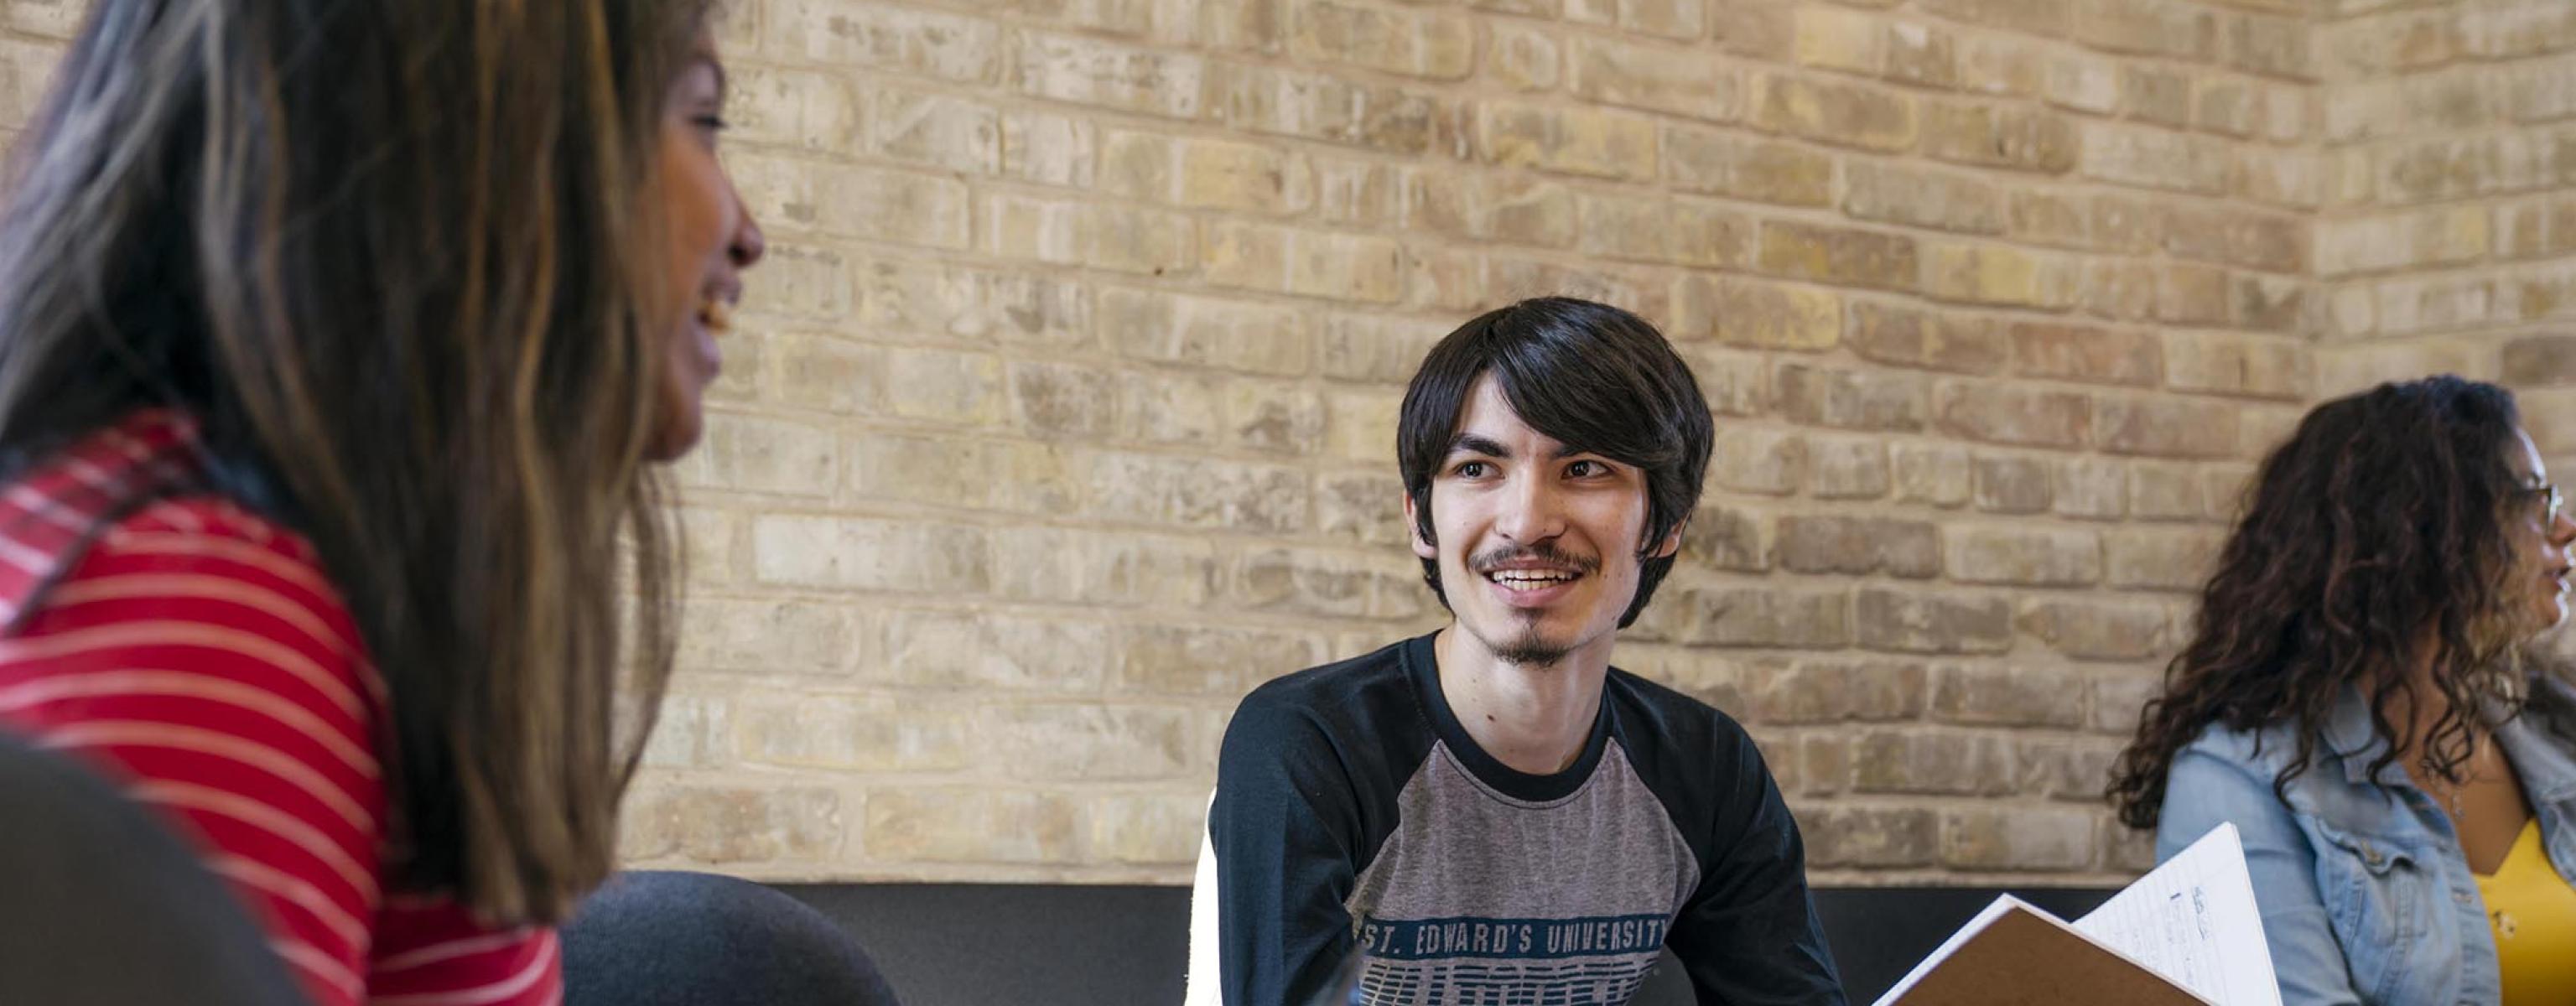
1413 531
1671 544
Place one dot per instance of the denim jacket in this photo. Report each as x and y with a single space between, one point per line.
2365 895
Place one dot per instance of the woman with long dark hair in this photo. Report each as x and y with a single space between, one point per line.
2359 698
338 339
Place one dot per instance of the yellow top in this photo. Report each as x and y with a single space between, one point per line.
2533 911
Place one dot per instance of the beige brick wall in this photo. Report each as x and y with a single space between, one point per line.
1063 414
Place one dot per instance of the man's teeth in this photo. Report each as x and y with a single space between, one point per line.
1527 578
716 315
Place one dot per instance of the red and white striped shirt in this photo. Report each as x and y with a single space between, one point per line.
196 653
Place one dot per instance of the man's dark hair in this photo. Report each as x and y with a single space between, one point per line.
1591 376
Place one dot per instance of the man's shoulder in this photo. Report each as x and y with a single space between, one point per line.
1654 710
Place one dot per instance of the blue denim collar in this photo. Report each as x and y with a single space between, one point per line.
2354 741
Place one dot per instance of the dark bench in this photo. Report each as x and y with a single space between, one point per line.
1064 945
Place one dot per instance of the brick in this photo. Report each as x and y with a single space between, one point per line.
1360 508
1525 58
763 824
1750 459
1259 26
2035 17
1319 106
1247 177
1241 336
2192 294
2009 414
2413 106
1360 425
1832 690
2446 168
1273 418
939 130
1440 45
1871 838
1833 38
1161 829
1926 340
1937 200
847 734
2536 230
2132 291
2540 360
2274 46
2007 696
1951 764
2012 484
2510 29
2160 559
838 33
1757 29
1196 493
1108 75
2154 159
2091 487
949 472
1726 538
1203 661
2161 490
1999 136
2229 107
2412 241
1355 191
1902 621
2082 81
1656 79
2097 629
1836 255
860 553
1853 399
1756 315
1835 112
60 19
1096 567
1676 231
1370 348
1936 474
964 389
2017 838
2405 41
1763 617
2002 66
1509 278
2231 364
2075 771
2156 94
1989 274
1715 163
2292 178
1305 262
1008 652
2087 353
774 636
1519 210
1048 148
1684 20
2095 222
978 826
1086 741
2146 27
1295 582
1847 467
2119 698
1859 545
1567 140
810 111
974 305
1118 238
1921 55
2166 427
1055 400
691 731
2025 556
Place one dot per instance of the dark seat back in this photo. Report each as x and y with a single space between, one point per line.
104 905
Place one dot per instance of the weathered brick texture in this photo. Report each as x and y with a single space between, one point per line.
1062 411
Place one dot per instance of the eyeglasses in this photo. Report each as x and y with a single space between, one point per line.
2557 501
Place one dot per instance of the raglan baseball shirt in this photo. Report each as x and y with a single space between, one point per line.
1354 814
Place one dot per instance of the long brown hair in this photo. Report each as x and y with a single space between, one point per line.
393 257
2380 521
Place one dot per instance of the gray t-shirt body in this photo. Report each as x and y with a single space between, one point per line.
1354 814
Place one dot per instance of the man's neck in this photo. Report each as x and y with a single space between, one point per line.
1533 719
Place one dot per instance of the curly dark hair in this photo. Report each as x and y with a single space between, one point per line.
2381 520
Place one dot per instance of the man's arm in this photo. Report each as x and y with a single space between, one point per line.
1285 829
1748 936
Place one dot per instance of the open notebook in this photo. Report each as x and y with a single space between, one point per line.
2186 934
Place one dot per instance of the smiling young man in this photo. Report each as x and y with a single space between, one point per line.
1492 813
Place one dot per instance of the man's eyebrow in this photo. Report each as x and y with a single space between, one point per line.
1478 445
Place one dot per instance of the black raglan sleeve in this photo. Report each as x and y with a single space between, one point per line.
1748 936
1286 830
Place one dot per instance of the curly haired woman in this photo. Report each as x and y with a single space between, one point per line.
2358 700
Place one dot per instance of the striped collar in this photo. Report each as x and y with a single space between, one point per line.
51 512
